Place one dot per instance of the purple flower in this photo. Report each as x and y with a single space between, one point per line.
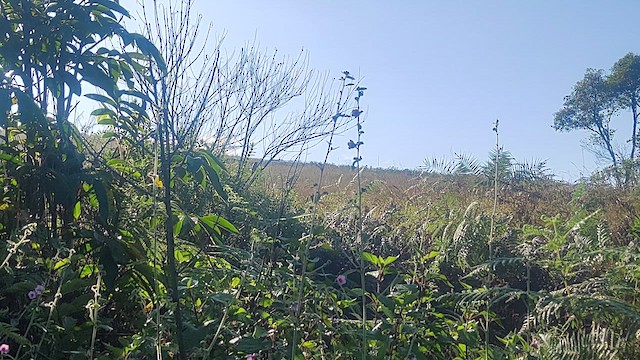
4 349
252 357
534 343
412 357
341 280
32 295
39 289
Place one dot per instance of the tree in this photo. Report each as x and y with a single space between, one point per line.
254 105
49 50
624 82
590 106
41 151
595 100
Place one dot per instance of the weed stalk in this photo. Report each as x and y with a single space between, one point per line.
357 112
491 235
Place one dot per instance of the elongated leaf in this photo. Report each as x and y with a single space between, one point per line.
138 94
148 48
103 111
97 77
76 210
218 221
72 82
177 227
112 5
8 331
212 174
225 224
103 200
101 98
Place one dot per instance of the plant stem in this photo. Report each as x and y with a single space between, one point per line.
491 235
172 273
359 237
93 307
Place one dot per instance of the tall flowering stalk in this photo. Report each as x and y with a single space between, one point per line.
491 236
356 113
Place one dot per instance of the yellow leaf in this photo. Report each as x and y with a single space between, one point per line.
159 182
147 308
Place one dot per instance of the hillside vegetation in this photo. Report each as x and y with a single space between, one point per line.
147 239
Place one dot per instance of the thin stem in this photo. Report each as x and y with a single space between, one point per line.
155 243
491 235
359 237
93 307
314 210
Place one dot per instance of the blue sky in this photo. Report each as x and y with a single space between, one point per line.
439 73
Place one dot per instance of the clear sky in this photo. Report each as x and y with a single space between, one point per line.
439 73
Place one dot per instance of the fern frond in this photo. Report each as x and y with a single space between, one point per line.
493 265
597 343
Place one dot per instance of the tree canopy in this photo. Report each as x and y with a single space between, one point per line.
598 99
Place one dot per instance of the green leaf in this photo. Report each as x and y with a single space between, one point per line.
94 75
213 221
431 255
150 273
214 178
103 111
88 270
103 200
116 162
148 48
373 259
99 197
309 344
76 210
102 99
109 266
105 120
72 82
177 227
61 263
112 5
135 93
11 332
388 260
388 305
225 224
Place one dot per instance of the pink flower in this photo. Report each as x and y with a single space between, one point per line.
534 343
252 357
4 349
32 295
39 289
341 280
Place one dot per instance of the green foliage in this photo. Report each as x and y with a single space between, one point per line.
595 100
510 171
107 237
